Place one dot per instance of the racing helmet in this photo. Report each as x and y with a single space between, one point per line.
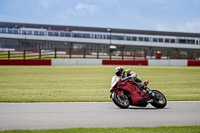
119 71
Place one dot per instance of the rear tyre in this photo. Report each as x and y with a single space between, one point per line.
121 102
159 100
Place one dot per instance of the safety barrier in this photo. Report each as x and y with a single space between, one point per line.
193 63
58 62
25 62
125 62
168 62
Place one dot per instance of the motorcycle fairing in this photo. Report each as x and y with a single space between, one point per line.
119 92
135 93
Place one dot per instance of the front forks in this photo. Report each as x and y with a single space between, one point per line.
120 93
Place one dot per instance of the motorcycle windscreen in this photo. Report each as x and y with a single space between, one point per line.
114 80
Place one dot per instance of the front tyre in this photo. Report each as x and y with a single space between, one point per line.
121 102
159 100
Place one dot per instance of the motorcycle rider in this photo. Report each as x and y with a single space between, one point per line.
129 74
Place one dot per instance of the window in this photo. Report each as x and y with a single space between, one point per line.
3 30
172 40
24 32
155 39
146 39
160 39
114 37
50 33
166 40
128 38
16 31
108 37
68 34
100 36
182 41
36 33
77 35
10 31
41 33
62 34
86 35
29 32
55 34
190 41
134 38
140 38
185 41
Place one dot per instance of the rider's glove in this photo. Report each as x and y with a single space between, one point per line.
125 78
129 77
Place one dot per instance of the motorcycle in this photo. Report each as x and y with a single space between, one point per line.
128 92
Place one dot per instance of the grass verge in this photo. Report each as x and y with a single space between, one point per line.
90 83
172 129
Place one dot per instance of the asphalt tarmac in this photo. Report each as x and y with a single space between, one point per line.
95 114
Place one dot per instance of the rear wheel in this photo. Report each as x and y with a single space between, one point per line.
121 102
159 100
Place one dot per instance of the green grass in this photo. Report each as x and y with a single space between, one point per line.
90 83
186 129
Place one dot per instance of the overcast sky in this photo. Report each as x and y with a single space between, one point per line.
162 15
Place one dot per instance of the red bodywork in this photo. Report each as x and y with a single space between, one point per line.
132 88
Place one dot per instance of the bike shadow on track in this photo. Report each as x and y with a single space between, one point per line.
145 108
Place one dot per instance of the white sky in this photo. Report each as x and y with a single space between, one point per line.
161 15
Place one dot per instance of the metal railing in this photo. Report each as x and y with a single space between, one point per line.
89 54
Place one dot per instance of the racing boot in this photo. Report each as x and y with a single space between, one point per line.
149 92
146 82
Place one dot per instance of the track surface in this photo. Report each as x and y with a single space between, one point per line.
95 114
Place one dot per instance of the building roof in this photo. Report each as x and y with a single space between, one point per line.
96 29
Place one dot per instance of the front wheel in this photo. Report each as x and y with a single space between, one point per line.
121 102
159 100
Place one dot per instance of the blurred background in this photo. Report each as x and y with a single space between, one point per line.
100 29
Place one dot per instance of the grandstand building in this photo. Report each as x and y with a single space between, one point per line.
21 36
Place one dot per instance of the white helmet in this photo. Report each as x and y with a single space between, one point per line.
119 71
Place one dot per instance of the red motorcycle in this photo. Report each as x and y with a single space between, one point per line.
128 92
